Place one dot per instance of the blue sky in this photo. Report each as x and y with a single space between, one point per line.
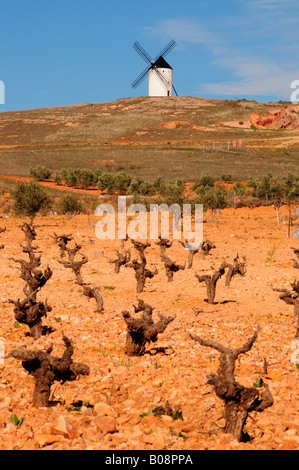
66 52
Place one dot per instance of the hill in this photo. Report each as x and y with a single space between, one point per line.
146 136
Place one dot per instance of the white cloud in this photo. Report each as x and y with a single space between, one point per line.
266 65
279 86
184 30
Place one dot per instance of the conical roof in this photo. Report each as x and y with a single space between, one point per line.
161 63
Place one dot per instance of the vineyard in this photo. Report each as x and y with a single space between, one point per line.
146 344
146 368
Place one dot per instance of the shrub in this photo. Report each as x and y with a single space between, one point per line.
158 183
70 176
122 181
29 199
57 178
106 181
147 188
134 187
172 192
69 204
239 189
206 179
214 198
253 183
85 178
40 173
227 177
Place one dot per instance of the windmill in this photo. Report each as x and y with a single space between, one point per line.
158 70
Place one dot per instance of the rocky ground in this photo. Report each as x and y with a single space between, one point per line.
111 408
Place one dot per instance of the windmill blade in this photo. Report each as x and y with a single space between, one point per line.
165 82
142 52
140 77
166 49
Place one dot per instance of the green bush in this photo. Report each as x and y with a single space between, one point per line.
214 198
227 177
70 204
106 181
134 187
172 192
29 199
239 188
57 177
85 178
206 180
147 188
122 181
70 176
40 173
158 182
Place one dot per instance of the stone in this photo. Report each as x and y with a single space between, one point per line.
63 427
103 409
106 424
46 439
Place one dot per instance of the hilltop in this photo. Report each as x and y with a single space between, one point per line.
149 136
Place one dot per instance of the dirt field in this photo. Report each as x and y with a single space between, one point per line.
120 392
150 136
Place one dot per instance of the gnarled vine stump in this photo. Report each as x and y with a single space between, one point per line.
296 261
139 266
164 244
191 252
141 331
46 369
291 298
30 311
76 266
1 231
211 281
171 267
239 267
239 400
207 246
121 260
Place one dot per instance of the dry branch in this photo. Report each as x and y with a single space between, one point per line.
239 400
141 331
76 266
121 260
139 266
47 369
207 246
191 253
164 244
29 311
62 241
171 267
211 281
1 231
291 298
296 261
239 267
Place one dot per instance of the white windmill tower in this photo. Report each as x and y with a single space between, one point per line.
160 73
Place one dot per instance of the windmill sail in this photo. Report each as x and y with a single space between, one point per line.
158 70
